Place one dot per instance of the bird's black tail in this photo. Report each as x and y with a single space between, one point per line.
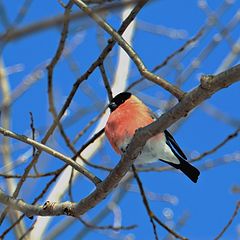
184 166
188 170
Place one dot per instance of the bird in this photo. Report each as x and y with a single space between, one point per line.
127 114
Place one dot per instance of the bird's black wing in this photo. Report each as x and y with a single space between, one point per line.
171 141
173 144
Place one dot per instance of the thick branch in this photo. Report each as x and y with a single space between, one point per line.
54 153
189 102
208 86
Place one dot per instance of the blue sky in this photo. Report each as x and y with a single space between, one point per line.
210 202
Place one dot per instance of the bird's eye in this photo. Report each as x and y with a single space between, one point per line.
112 105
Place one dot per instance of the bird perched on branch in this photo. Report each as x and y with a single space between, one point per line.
128 113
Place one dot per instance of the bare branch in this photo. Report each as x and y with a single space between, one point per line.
145 202
70 181
92 226
190 101
34 202
22 12
229 222
128 16
129 50
33 130
192 40
52 152
176 235
7 159
88 125
90 141
50 69
214 112
151 215
106 82
15 34
39 175
228 138
202 155
25 235
100 59
209 85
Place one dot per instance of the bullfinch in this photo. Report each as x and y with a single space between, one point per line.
128 113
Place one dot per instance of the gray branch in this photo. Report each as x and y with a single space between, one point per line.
209 85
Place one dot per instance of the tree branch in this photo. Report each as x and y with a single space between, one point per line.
129 50
229 222
209 85
17 33
145 202
52 152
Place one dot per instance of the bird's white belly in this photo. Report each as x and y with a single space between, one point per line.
153 151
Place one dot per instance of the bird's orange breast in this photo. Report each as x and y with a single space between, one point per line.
124 121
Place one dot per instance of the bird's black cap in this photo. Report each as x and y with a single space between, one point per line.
118 100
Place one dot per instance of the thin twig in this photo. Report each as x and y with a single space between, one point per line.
129 50
171 56
46 24
151 215
33 131
94 65
92 226
202 155
104 168
22 12
106 82
39 175
91 140
70 185
48 185
27 82
12 226
176 235
128 18
23 237
229 222
218 146
88 125
180 223
52 152
116 198
33 137
216 113
215 41
7 159
50 69
145 202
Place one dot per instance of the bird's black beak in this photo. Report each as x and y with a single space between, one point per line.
112 106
